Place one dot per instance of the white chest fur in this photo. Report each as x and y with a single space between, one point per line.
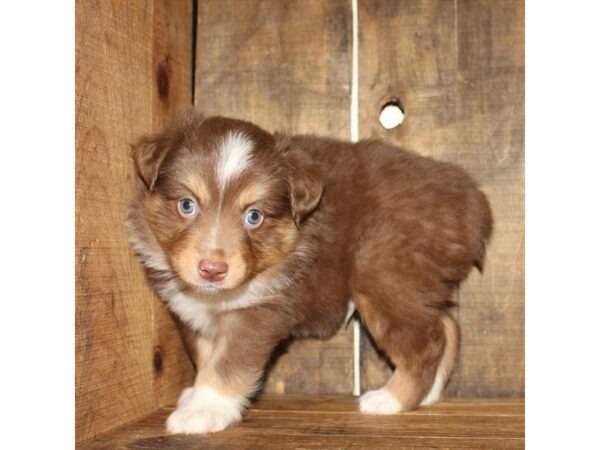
194 312
198 311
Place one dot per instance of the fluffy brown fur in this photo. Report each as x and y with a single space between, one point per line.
392 231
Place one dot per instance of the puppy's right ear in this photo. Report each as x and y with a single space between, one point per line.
148 154
150 151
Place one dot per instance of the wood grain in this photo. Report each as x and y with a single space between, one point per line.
129 358
285 66
457 70
327 422
490 130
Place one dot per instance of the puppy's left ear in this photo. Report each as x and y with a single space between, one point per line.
304 184
148 154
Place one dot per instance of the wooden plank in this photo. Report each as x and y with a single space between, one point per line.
407 52
346 404
457 69
284 66
490 130
309 422
116 314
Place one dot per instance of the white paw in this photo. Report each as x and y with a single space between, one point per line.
186 396
203 410
209 420
380 401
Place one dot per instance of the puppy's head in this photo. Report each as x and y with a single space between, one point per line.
224 198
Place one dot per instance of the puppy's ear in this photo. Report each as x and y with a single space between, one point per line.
150 151
304 184
148 154
306 191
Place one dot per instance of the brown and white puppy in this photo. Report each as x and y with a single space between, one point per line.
251 238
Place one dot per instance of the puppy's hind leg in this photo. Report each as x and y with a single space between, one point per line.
446 365
415 341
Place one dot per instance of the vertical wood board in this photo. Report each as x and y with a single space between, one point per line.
490 130
120 326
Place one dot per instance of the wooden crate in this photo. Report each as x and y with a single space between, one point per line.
457 69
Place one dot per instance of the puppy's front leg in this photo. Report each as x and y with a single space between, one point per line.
231 374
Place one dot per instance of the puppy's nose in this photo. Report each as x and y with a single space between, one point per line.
212 270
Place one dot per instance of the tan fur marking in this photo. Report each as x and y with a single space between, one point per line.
252 193
198 188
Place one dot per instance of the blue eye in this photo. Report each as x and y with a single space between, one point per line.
253 218
187 206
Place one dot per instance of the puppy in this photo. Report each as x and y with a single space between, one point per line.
251 238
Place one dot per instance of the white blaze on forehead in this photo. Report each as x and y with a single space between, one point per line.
235 156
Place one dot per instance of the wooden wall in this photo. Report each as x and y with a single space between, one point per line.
133 71
457 68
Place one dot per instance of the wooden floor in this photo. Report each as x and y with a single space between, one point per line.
278 422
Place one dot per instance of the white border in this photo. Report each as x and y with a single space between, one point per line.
562 184
37 162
